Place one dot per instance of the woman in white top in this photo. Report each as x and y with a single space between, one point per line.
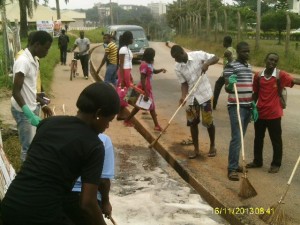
125 66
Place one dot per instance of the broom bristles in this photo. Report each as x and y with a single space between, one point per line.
276 215
246 189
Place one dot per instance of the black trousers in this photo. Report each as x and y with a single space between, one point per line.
63 54
218 87
274 129
84 60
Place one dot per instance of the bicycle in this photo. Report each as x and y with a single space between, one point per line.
73 66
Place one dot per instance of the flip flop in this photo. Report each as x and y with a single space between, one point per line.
186 142
193 155
212 153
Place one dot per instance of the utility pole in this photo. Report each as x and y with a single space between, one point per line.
111 14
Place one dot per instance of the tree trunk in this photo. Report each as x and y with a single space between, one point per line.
57 9
287 39
258 13
23 19
225 22
239 27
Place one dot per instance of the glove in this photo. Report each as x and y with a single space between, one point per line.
34 119
254 112
232 79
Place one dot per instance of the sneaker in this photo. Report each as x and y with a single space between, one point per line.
253 165
233 176
86 77
128 123
274 169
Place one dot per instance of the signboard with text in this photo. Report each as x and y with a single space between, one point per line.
45 25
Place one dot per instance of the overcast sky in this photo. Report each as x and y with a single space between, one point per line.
87 4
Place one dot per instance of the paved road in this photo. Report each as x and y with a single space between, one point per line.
211 173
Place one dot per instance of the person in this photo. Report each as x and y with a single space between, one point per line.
71 206
229 56
66 27
41 98
64 148
265 94
239 72
147 71
24 105
110 56
83 45
63 41
125 67
189 67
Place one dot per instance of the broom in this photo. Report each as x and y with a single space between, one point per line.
188 95
276 216
246 189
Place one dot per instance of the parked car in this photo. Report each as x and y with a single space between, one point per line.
140 42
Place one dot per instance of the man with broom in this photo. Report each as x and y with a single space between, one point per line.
189 68
239 72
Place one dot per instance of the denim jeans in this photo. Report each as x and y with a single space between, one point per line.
25 130
111 74
235 143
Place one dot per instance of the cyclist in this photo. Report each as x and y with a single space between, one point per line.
83 45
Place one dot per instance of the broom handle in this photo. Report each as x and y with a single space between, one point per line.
187 96
240 122
112 220
290 180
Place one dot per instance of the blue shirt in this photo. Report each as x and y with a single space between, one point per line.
108 165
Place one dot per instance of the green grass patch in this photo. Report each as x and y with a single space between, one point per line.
289 63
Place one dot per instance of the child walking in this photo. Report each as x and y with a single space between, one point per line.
147 71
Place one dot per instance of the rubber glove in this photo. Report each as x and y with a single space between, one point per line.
254 112
34 119
232 79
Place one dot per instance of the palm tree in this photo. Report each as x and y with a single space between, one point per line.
26 8
58 8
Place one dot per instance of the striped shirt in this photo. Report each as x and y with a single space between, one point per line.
190 72
244 83
112 51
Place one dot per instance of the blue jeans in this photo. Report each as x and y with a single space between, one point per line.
111 74
235 143
25 130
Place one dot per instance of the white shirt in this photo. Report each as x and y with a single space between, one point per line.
128 57
82 45
190 72
29 66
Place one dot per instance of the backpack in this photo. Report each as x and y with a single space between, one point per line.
63 40
282 92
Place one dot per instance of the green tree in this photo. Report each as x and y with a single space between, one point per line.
276 21
26 8
92 14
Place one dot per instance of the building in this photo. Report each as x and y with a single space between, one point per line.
294 6
157 9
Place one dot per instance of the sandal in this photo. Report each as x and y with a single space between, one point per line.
233 176
158 128
128 124
193 155
212 152
186 142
